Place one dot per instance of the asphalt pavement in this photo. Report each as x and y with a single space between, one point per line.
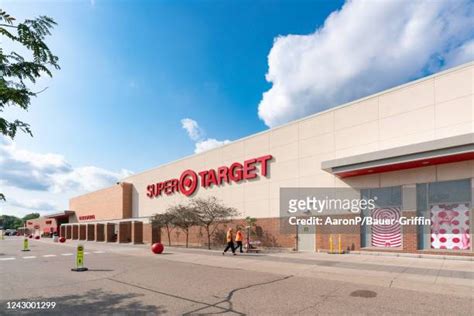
126 280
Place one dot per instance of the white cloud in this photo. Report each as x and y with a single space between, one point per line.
37 181
365 47
196 134
192 128
208 144
34 205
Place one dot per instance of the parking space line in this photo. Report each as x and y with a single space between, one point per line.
99 251
29 257
47 256
66 254
86 253
7 259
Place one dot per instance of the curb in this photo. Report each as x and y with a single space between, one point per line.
413 255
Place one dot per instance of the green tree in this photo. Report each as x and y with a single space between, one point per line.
210 212
184 217
10 222
18 74
165 220
30 216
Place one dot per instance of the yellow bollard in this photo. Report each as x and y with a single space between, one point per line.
330 243
79 260
339 244
26 245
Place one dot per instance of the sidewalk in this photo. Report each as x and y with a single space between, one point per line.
421 274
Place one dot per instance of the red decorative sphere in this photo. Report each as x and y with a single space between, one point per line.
157 248
31 236
62 239
37 237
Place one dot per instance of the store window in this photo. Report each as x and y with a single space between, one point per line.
448 205
388 207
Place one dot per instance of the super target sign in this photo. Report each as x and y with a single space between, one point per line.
189 180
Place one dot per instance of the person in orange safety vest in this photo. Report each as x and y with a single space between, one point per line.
239 237
230 241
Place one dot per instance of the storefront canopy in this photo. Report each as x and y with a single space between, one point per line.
447 150
60 215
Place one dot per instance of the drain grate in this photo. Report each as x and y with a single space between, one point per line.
364 293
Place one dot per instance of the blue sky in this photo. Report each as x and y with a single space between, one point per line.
133 70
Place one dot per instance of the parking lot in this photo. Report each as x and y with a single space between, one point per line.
125 279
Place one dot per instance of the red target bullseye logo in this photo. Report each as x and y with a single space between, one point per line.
188 182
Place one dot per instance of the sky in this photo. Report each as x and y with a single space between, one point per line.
143 83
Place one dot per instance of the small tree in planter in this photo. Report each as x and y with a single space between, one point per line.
211 212
184 217
165 220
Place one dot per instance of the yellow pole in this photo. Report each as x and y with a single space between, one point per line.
330 243
26 245
339 244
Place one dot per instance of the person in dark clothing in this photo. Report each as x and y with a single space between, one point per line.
230 242
239 237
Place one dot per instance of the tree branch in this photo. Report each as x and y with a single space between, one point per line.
8 25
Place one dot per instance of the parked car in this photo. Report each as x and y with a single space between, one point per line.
10 232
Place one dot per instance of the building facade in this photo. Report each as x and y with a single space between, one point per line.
414 142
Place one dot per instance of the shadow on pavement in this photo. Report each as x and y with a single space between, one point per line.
93 302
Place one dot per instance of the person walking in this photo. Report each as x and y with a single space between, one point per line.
239 237
230 241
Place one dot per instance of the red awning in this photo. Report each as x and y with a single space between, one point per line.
431 161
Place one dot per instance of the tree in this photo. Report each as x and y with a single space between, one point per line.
30 216
251 221
10 222
184 217
165 220
18 73
211 211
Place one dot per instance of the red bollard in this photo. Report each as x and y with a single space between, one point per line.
157 248
37 237
62 239
31 236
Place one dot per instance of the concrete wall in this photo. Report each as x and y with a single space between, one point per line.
110 203
435 107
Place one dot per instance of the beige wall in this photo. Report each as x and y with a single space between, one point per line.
110 203
436 107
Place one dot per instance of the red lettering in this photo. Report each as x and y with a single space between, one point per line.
264 164
189 180
168 187
249 169
174 185
212 179
222 175
158 188
203 175
150 190
235 172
